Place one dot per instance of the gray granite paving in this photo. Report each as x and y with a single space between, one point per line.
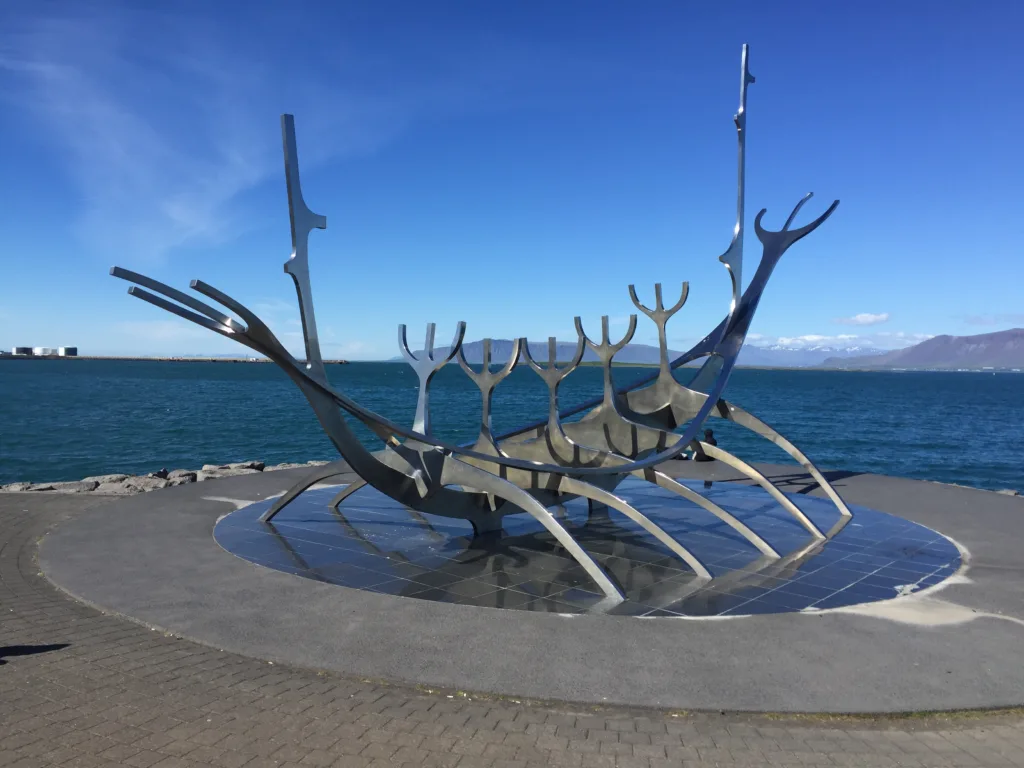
80 688
153 558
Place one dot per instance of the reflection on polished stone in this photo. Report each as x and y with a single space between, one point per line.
375 544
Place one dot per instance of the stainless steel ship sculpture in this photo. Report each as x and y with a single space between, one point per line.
626 432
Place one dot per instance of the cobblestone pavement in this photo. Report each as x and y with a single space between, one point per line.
81 688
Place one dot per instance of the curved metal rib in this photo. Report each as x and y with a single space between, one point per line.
727 458
746 419
319 473
456 472
347 491
670 484
579 488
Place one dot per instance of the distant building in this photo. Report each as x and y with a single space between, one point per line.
21 351
43 351
67 351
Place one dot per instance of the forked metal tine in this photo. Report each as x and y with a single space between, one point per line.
174 309
606 348
428 341
259 336
403 345
428 362
456 345
796 210
659 313
513 359
486 377
235 306
425 368
552 374
785 237
464 364
179 296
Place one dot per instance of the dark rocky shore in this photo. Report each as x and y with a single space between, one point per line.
128 485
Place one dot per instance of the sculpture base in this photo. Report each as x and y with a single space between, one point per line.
953 646
374 543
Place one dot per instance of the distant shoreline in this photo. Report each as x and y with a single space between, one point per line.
588 364
140 359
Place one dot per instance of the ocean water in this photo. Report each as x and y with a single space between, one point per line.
64 420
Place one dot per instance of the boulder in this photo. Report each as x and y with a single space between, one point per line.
286 465
257 465
216 472
181 476
143 484
15 487
78 486
116 489
316 463
106 478
160 474
1008 492
40 487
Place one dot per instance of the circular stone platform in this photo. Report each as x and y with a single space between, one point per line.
374 543
952 645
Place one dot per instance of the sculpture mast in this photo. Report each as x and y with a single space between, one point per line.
733 257
303 221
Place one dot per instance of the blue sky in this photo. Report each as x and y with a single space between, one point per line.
508 164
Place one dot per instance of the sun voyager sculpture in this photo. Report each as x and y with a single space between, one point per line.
625 432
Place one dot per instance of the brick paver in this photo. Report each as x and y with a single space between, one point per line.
80 688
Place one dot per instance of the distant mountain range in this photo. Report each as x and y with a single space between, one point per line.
778 356
1002 349
645 354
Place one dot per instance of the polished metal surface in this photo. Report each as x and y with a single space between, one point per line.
733 256
426 367
623 436
374 543
487 380
303 222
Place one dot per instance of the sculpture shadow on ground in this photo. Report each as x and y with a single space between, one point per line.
808 484
10 651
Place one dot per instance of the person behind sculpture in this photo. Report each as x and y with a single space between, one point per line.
698 451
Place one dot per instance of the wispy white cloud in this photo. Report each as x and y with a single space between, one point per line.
165 120
814 339
864 318
147 138
879 340
914 337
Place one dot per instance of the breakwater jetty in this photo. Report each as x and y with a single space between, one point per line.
156 359
129 485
